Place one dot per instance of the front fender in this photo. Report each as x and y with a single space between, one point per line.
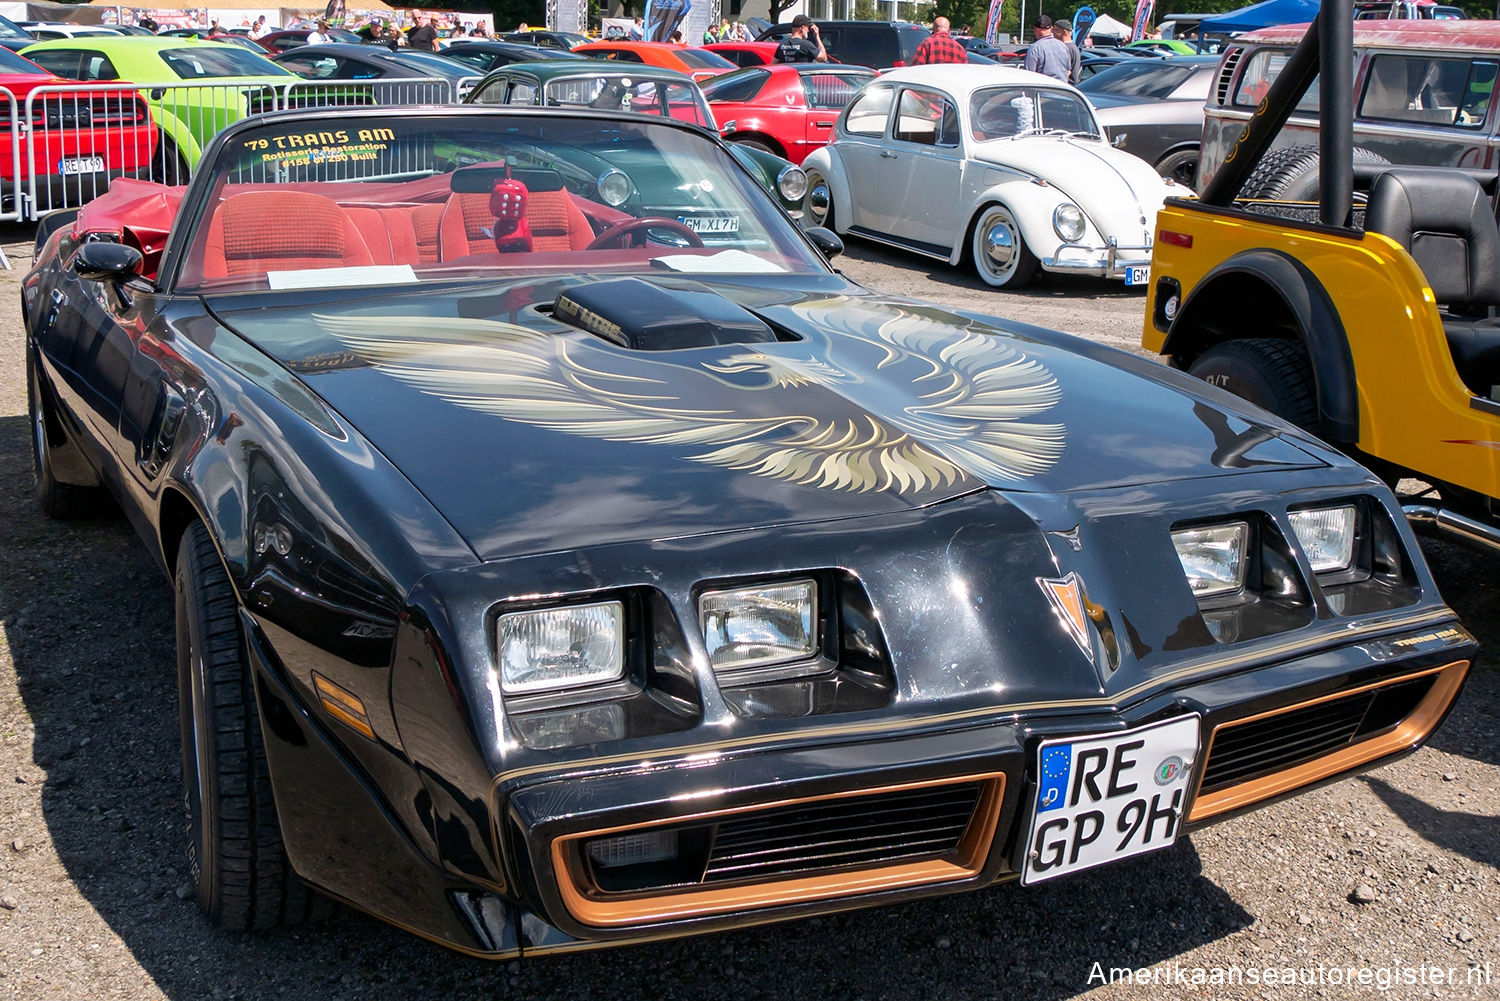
1032 204
826 161
180 133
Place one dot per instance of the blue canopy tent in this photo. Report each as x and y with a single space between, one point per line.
1259 15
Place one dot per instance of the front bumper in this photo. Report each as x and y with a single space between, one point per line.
838 787
1108 261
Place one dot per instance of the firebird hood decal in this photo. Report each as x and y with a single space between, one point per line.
975 407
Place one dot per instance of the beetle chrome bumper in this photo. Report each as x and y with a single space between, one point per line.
1108 261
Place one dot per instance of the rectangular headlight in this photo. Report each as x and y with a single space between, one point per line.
1326 535
553 648
1213 557
754 626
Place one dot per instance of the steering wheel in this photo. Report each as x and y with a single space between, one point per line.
617 233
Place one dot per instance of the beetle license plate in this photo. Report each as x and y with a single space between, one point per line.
81 165
1109 797
711 223
1137 275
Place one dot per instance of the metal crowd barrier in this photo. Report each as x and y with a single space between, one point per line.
69 141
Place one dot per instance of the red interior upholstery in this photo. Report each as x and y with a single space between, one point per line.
556 221
259 231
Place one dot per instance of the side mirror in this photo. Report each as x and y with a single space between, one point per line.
825 240
107 262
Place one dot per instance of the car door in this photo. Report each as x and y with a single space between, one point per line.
923 176
862 148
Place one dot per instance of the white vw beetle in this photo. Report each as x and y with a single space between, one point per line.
1005 164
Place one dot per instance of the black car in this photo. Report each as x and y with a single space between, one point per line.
546 39
1153 108
877 44
545 579
387 72
483 55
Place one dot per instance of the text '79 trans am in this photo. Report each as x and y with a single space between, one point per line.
547 579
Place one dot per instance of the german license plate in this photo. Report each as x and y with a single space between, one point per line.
81 165
1138 275
711 223
1107 797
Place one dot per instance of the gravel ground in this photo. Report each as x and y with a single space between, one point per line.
1388 873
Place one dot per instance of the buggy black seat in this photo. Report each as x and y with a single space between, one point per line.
1444 220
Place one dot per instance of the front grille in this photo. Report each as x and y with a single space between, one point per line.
1244 751
858 830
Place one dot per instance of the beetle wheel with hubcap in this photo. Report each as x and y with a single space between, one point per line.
239 869
1000 253
819 197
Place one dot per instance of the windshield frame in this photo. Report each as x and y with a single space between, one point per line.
202 186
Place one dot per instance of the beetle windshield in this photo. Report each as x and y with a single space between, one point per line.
1012 112
323 202
670 98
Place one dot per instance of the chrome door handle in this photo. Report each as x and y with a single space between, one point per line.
824 125
887 154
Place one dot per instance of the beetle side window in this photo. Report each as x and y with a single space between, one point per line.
867 115
1431 91
521 93
491 93
926 118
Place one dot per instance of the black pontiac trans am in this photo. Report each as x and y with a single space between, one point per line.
547 579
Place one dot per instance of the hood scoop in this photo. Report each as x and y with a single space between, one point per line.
644 316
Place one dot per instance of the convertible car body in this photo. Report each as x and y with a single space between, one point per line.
547 580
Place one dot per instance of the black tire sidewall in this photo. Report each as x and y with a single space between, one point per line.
1248 370
196 731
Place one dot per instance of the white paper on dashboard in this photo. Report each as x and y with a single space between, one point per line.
724 262
374 274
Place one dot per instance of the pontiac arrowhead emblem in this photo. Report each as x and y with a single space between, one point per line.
1066 596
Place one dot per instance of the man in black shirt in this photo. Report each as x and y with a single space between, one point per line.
803 45
423 36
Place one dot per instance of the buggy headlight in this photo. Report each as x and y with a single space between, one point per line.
1213 557
553 648
792 183
1067 222
1326 535
614 187
753 626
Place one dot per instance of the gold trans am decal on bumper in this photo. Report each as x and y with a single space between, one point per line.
942 403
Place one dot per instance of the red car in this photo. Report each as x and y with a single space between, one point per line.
696 63
788 108
79 138
744 54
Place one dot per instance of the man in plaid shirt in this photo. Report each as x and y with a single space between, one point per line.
939 47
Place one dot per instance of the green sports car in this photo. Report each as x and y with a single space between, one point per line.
220 84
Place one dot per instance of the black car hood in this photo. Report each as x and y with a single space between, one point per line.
533 435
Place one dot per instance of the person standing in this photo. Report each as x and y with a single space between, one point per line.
803 45
1064 33
940 46
319 35
424 36
259 28
1047 55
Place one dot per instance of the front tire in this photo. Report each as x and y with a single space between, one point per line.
817 204
240 873
1000 253
57 499
1272 373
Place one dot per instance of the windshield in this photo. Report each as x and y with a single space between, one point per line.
433 64
375 200
701 60
1009 112
10 29
1138 79
668 98
193 62
12 63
